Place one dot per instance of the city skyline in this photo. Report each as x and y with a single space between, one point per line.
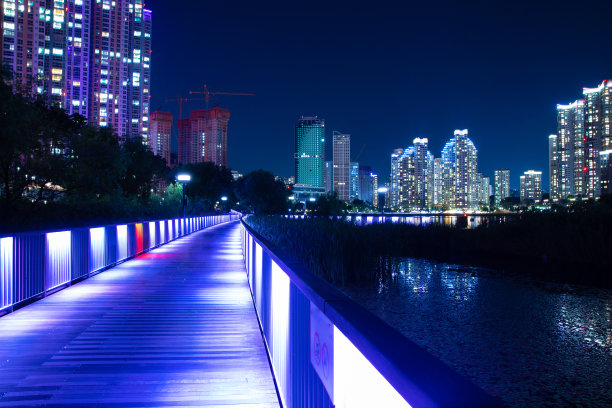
416 71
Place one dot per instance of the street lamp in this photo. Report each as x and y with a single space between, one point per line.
183 179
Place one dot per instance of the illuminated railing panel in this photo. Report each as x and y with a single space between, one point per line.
360 360
33 265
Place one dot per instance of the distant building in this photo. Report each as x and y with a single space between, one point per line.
342 159
531 186
411 186
437 182
368 185
394 188
578 160
160 133
484 189
502 185
354 181
459 172
309 157
203 136
329 177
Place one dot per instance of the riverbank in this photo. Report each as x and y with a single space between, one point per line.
564 248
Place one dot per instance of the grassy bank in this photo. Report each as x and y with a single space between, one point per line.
569 248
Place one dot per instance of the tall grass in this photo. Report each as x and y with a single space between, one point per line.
573 248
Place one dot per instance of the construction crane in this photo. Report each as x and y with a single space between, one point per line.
207 94
181 101
360 152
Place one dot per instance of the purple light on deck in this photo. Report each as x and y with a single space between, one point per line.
152 241
58 259
122 244
6 272
97 246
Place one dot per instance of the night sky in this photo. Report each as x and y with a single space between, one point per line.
385 73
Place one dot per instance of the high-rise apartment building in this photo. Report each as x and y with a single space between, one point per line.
412 177
459 172
437 182
216 136
502 185
531 186
342 161
354 181
185 141
584 131
160 131
309 156
483 190
88 57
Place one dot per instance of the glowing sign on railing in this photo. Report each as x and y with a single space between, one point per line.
6 272
58 259
356 382
122 237
97 247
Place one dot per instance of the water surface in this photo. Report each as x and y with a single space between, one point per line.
530 343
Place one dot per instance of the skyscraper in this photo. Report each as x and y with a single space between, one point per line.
483 190
531 186
329 177
597 134
553 167
437 182
502 185
354 181
186 153
216 136
342 159
160 134
91 58
309 156
412 177
568 151
459 172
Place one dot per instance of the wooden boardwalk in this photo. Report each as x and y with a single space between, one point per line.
173 327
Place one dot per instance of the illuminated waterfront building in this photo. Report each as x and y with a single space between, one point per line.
91 58
160 134
567 152
531 186
309 156
459 172
216 136
368 185
412 177
437 182
502 185
597 134
342 160
483 190
354 181
394 197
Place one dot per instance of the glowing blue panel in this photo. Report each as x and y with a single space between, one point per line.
356 382
6 272
162 232
59 264
152 241
122 242
257 277
97 248
280 330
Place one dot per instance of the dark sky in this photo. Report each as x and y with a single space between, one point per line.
385 72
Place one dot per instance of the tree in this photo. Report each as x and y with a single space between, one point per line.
143 169
208 184
330 205
259 192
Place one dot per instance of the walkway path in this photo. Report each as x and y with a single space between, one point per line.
173 327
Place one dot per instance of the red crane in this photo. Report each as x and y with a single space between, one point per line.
181 101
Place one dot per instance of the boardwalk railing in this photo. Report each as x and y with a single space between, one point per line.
326 350
33 265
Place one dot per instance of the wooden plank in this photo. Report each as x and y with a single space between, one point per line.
173 327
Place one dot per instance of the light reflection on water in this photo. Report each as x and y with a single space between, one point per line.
532 344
